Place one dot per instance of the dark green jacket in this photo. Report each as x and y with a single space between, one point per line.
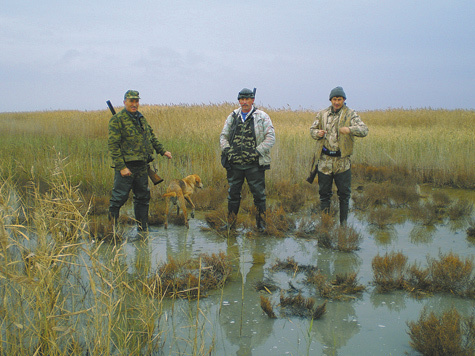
131 140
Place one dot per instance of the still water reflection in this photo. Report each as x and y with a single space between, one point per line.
230 321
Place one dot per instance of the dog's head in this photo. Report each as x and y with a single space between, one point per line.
197 181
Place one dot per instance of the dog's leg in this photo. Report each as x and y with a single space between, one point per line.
182 204
166 212
188 199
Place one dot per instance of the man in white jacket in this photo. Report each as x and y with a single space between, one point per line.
246 140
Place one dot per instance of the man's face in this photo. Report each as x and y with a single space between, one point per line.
131 105
246 104
337 102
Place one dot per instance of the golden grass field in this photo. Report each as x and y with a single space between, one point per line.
430 146
64 296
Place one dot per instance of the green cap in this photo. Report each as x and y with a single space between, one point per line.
131 94
337 92
246 93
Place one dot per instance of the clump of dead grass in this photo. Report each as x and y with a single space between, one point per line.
389 271
292 197
301 306
267 307
343 287
447 274
190 278
461 208
447 335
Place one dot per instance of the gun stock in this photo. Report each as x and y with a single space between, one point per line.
154 177
312 175
313 171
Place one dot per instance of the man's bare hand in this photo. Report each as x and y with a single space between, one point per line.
125 172
345 130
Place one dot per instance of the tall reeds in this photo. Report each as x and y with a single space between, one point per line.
63 294
406 143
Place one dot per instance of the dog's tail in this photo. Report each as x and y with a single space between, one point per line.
171 194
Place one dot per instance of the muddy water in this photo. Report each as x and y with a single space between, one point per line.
231 321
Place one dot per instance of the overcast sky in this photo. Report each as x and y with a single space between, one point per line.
58 55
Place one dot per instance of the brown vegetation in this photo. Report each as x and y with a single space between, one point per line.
447 335
190 278
447 274
343 287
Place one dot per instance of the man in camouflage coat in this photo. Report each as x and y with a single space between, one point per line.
246 140
131 145
334 130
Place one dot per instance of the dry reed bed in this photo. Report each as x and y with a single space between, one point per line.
62 295
418 142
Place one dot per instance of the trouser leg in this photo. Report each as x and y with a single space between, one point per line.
325 182
235 180
343 184
256 179
257 185
120 194
141 192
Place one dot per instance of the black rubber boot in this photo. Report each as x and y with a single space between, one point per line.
233 209
141 215
114 216
261 220
344 208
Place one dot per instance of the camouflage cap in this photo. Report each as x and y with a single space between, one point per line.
131 94
246 93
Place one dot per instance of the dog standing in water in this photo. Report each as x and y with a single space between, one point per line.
180 190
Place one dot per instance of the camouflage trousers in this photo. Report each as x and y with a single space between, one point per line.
138 183
256 181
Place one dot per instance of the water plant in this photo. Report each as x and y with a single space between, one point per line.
389 271
449 334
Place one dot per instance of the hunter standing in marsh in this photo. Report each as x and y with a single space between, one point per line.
246 140
334 130
131 145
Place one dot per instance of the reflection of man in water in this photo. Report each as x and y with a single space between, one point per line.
243 319
330 331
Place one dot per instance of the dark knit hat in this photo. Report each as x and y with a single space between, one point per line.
246 93
336 92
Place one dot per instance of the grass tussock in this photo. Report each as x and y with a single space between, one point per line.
329 234
190 278
267 307
301 307
291 265
343 287
389 271
449 334
471 229
447 274
292 196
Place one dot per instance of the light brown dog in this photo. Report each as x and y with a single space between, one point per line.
180 190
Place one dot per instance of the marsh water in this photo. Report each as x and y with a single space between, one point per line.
231 321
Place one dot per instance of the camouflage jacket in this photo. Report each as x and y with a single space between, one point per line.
333 140
263 129
131 139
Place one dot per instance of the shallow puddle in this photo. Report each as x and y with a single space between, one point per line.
231 321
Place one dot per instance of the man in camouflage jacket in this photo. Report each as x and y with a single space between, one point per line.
131 145
334 130
246 140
